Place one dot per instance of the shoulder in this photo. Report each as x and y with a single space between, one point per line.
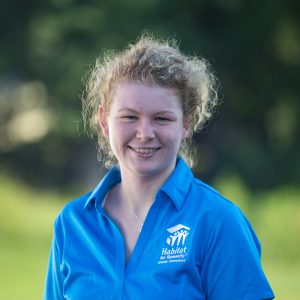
221 220
72 210
216 213
209 198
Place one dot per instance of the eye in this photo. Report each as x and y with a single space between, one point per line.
162 120
129 118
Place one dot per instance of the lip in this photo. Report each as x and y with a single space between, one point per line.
144 151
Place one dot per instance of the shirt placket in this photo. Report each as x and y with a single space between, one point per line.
147 231
118 263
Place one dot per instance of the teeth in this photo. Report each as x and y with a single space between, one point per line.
145 150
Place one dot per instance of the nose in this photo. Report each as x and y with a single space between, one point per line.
145 130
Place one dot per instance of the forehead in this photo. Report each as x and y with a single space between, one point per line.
139 96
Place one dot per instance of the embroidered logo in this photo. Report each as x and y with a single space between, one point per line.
175 251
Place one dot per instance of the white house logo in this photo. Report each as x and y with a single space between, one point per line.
178 235
175 251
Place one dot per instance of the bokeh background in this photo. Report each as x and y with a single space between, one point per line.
249 151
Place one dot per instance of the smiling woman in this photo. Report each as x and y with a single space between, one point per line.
150 229
151 62
145 128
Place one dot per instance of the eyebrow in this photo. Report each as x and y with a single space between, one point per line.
126 109
163 112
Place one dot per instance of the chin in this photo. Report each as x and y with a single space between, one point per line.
150 171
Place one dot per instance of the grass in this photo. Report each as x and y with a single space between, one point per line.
25 236
278 223
27 219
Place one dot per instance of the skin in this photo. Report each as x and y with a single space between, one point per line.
145 127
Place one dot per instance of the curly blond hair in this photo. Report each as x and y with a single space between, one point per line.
150 61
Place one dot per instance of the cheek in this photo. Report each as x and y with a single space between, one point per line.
118 133
172 138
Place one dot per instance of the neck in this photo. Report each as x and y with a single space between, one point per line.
138 194
138 191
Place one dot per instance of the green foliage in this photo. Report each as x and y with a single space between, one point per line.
254 47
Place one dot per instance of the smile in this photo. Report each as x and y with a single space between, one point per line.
144 150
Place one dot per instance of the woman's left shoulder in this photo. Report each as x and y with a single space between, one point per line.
209 197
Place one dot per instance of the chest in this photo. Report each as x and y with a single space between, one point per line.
129 225
130 231
162 261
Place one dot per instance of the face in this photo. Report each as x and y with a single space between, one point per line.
145 128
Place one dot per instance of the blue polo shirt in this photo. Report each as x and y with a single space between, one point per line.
194 244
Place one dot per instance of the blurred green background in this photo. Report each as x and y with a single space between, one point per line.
250 151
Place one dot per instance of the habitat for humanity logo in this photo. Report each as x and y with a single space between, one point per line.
176 250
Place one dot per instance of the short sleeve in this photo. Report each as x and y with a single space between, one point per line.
231 266
54 282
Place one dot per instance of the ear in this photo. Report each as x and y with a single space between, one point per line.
102 119
186 128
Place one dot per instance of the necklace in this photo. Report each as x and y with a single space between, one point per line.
140 221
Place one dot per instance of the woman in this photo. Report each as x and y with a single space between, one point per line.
150 230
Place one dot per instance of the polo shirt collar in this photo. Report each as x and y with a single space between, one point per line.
178 184
176 187
108 181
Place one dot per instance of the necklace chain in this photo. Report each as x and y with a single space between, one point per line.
139 220
141 223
